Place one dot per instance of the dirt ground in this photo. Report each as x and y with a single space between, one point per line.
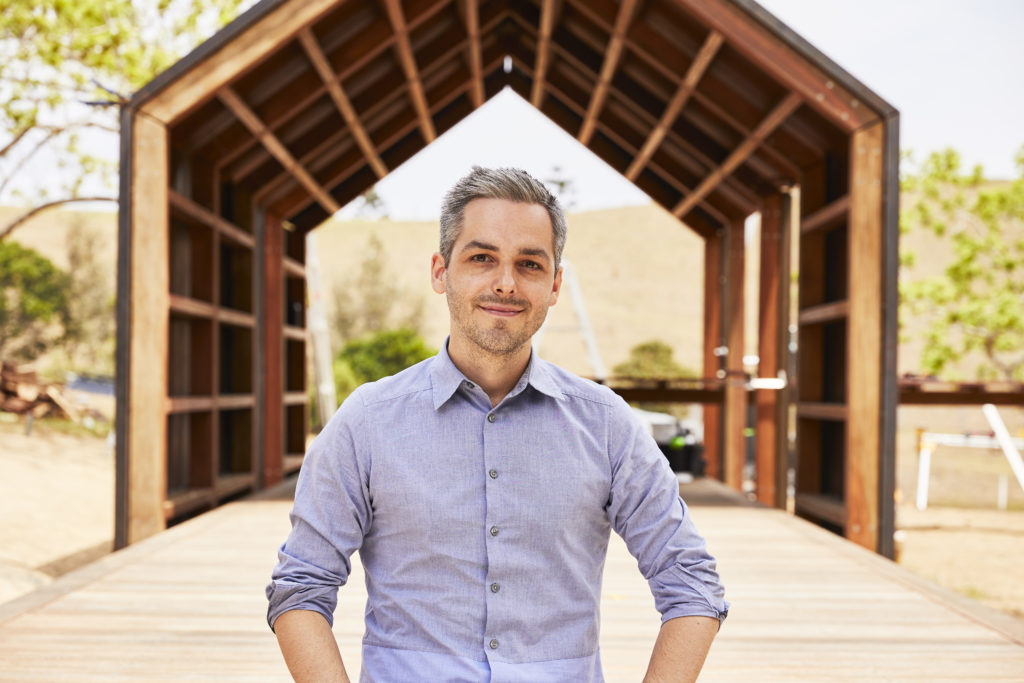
57 492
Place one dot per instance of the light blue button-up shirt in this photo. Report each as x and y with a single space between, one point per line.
483 531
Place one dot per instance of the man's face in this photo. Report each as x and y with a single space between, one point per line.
501 277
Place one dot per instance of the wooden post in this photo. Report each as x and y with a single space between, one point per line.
271 364
773 342
864 360
147 372
712 340
735 418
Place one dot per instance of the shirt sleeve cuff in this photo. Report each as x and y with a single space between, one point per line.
284 597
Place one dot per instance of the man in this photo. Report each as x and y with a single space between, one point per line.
480 487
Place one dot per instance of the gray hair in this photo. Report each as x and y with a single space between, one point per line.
511 184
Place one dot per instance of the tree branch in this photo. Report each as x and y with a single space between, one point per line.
9 228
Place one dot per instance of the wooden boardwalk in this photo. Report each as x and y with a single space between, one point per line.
807 606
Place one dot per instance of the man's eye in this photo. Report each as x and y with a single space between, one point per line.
532 265
479 258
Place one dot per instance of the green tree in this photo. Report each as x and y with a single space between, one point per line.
33 302
89 341
651 360
975 309
65 65
378 355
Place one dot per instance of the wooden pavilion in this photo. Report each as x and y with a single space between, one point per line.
712 107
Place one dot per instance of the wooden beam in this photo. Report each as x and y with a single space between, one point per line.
612 135
825 313
209 75
271 432
612 55
540 70
693 75
248 117
475 52
772 121
735 417
148 370
864 346
348 112
781 62
405 55
826 216
201 214
712 340
772 341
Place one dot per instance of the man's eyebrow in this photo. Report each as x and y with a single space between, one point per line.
477 244
535 252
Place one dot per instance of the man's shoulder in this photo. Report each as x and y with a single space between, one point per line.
413 380
579 388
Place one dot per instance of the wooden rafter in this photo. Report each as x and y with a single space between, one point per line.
251 121
475 53
611 62
693 75
405 54
774 119
540 69
781 62
666 177
348 112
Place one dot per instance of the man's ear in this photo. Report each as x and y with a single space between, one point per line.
437 273
556 287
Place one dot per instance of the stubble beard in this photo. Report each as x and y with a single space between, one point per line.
497 339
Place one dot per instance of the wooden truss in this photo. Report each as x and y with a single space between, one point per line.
712 107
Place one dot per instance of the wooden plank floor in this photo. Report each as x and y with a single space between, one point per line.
807 606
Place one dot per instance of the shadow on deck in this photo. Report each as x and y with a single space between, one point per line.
807 605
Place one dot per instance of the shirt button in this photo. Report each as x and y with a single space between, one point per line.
492 417
493 474
493 644
494 531
495 588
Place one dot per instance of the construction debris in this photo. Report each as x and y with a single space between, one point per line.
22 393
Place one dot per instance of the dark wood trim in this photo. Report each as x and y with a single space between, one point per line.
201 214
540 70
819 507
827 216
773 120
612 54
276 148
295 398
713 267
405 54
825 313
837 412
341 101
693 75
475 52
782 62
734 440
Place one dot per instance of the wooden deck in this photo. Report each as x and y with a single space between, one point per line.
807 606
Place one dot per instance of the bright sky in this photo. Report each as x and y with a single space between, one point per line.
954 69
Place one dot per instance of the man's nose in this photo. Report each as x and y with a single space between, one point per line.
505 281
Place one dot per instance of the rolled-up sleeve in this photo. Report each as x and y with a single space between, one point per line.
646 510
330 517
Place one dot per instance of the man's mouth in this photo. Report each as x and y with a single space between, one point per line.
501 311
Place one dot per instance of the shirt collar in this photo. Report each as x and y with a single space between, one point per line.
445 378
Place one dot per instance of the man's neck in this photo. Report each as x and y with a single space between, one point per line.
497 375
